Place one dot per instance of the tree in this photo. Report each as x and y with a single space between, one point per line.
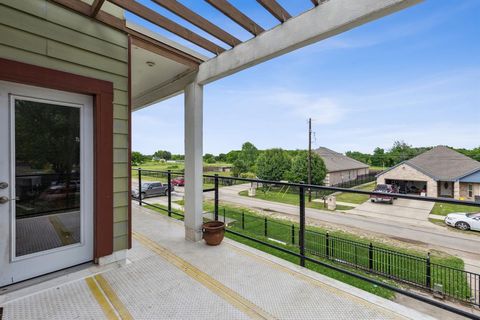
163 154
359 156
209 158
239 167
232 156
248 155
273 164
378 157
299 170
222 157
178 157
138 158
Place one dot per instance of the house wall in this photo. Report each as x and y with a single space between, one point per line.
40 33
334 178
406 172
448 191
463 190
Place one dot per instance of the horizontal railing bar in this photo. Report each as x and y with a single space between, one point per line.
336 189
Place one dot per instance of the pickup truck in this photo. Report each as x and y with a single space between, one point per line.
386 189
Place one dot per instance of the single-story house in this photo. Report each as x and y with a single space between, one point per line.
440 172
340 168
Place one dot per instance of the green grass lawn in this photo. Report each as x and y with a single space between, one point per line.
289 198
174 167
355 197
442 209
376 168
279 232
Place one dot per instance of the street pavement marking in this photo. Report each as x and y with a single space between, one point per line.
113 298
101 299
232 297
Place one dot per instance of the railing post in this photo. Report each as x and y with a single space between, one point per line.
266 227
293 234
429 272
301 235
327 245
216 197
224 215
370 256
243 220
139 186
169 184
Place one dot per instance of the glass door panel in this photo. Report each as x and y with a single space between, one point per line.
47 176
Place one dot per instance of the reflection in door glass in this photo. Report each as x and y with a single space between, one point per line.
47 176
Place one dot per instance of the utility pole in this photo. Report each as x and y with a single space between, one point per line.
309 158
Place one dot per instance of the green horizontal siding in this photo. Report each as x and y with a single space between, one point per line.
42 33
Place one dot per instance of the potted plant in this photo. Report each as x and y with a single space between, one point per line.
213 232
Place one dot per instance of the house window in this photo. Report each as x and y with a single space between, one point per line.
470 190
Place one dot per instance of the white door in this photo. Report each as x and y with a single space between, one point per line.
46 181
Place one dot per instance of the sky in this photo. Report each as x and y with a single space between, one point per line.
411 76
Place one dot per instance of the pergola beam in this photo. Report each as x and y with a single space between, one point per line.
236 15
321 22
197 20
119 24
167 24
275 9
96 6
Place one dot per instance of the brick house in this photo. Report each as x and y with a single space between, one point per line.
340 168
441 172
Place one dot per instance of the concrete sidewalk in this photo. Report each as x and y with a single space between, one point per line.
169 278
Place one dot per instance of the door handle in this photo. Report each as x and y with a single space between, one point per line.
3 200
3 185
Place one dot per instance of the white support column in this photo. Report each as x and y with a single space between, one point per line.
193 161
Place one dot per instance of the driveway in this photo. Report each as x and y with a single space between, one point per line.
402 210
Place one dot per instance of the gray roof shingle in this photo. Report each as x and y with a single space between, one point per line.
443 163
335 161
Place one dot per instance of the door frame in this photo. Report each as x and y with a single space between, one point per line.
102 93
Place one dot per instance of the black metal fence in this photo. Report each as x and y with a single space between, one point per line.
359 180
328 250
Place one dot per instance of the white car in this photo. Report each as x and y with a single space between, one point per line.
464 221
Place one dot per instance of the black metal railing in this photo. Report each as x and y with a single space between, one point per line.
322 248
359 180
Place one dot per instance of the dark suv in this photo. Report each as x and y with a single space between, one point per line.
151 189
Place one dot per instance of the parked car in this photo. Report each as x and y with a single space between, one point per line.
386 189
151 189
178 181
464 221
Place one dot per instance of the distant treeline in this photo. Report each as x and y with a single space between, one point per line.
400 151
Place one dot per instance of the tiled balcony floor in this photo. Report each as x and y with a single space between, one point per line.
169 278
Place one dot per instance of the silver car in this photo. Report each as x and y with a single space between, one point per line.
464 221
151 189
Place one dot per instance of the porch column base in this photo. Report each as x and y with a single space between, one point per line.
193 234
116 257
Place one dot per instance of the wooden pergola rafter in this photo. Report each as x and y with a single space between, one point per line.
224 6
182 11
275 9
236 15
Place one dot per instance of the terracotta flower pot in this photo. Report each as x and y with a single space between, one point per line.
213 232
